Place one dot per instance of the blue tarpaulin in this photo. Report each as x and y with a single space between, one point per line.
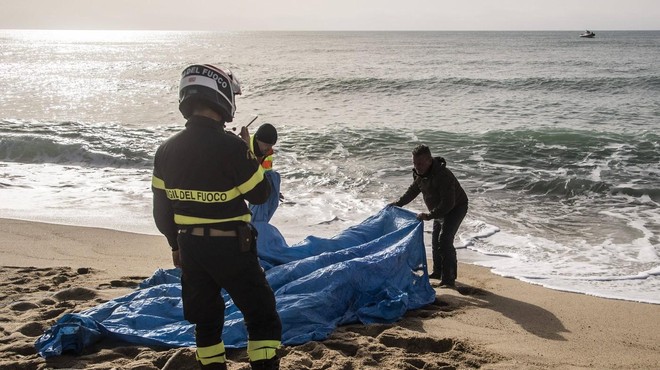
369 273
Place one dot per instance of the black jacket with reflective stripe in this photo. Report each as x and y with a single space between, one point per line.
202 176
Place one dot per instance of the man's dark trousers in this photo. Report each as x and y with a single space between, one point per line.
442 244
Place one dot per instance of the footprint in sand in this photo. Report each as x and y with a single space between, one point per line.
75 294
125 282
32 329
23 306
414 343
390 346
437 308
31 300
384 346
468 290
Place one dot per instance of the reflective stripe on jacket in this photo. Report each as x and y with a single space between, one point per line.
202 176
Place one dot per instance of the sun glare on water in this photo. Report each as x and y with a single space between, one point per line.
83 36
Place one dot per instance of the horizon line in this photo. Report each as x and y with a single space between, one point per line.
320 30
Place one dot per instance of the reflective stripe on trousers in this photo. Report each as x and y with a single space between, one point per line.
214 354
262 349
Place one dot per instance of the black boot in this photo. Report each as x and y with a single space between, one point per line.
437 265
449 267
270 364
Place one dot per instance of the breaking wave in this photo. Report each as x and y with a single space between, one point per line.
337 86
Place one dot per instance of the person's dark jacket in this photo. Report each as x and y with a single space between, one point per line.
441 190
202 177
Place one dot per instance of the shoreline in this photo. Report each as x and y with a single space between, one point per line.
294 235
489 321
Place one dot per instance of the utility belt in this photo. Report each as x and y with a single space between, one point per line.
246 234
208 231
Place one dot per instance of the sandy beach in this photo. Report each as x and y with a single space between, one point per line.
487 322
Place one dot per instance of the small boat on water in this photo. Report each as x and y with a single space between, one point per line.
588 34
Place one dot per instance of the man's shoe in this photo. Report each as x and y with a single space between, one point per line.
448 284
435 276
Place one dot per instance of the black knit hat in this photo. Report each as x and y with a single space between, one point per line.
267 134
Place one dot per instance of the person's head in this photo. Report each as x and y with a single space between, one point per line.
422 159
265 137
203 85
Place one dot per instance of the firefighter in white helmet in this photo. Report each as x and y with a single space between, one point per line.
202 177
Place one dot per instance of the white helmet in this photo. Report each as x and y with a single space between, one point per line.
212 85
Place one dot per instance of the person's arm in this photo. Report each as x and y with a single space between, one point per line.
410 194
163 212
245 135
251 143
250 177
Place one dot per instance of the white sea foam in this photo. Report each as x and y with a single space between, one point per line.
100 197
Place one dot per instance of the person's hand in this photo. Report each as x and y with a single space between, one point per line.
245 134
176 260
423 216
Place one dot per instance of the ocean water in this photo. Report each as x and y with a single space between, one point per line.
556 139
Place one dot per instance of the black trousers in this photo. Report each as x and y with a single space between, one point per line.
442 244
210 264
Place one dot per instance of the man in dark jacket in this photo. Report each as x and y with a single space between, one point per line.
447 204
202 177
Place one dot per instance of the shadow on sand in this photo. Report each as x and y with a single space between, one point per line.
534 319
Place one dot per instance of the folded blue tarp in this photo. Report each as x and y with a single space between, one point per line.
371 272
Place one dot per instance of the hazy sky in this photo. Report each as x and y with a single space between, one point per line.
332 14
